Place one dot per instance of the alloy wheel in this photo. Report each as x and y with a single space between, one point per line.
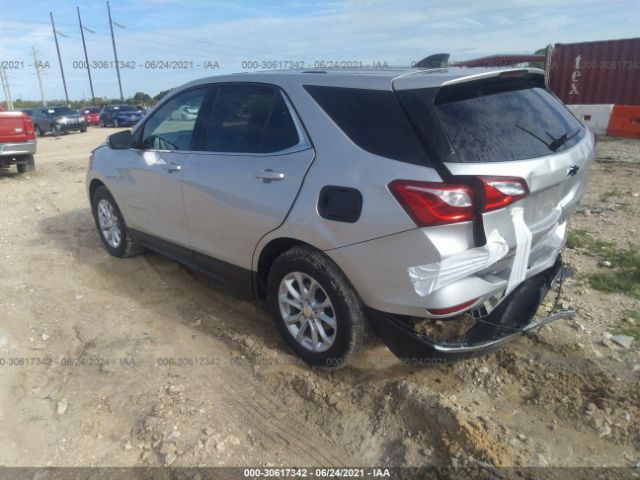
109 223
307 312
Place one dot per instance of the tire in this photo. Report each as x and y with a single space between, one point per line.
38 131
55 130
346 312
30 166
83 130
126 246
102 124
116 123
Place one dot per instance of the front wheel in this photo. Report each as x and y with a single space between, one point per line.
315 307
111 225
55 130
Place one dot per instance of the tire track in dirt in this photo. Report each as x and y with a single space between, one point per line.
266 413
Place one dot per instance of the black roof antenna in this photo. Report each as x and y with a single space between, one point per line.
437 60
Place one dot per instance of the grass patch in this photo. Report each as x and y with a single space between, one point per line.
631 329
606 196
606 138
624 275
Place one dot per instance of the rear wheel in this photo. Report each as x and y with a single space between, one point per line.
38 131
111 225
116 123
29 164
316 310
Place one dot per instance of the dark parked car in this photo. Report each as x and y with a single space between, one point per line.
119 116
57 120
28 111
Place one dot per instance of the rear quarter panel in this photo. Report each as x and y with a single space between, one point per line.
339 162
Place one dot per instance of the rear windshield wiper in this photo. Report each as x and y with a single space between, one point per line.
548 145
556 143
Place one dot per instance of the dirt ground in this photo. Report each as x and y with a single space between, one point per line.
109 362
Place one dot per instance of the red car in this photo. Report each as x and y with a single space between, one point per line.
17 141
91 115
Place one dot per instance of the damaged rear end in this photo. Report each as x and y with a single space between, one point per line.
514 164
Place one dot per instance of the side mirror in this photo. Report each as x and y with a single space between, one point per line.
120 140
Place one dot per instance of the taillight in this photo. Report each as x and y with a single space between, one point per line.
430 204
434 203
27 125
502 191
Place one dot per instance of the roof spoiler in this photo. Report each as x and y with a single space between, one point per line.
437 60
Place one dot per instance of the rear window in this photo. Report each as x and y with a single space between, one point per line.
373 120
485 123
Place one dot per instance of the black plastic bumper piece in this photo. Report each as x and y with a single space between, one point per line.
512 318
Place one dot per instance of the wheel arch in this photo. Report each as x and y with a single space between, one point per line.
272 250
93 186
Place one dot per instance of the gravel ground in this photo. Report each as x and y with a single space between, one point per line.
143 362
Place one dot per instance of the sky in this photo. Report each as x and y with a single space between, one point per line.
205 38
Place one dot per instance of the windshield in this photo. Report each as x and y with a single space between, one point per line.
507 125
60 111
125 108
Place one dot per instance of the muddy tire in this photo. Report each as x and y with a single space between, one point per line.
111 225
315 308
29 166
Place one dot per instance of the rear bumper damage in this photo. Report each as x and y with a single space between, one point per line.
512 318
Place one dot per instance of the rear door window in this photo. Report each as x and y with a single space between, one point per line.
250 119
488 125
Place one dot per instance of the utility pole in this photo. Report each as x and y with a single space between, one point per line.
86 58
6 88
39 73
115 52
55 36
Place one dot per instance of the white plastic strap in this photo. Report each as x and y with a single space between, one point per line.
432 276
523 249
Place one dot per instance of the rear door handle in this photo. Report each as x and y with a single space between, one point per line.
268 175
173 167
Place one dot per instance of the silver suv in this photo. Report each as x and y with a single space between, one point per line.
427 205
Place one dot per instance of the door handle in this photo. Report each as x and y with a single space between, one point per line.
173 167
268 175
